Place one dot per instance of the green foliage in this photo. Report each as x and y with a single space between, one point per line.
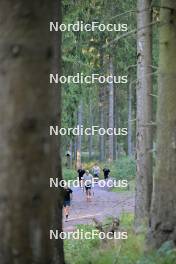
78 251
81 53
168 258
124 168
166 247
130 251
69 174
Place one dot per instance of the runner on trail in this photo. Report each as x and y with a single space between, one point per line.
67 198
81 172
106 172
96 171
88 178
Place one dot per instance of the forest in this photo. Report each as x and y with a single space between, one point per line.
87 94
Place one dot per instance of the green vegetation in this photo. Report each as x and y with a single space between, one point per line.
89 53
123 168
130 251
78 251
130 188
69 174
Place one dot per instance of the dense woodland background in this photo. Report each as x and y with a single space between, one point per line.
28 105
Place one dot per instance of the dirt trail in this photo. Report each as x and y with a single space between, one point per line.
104 204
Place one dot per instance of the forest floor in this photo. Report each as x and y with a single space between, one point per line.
104 204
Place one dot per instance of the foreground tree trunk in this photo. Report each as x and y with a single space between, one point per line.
144 113
28 156
163 212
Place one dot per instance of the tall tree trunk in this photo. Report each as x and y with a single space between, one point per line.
101 112
144 113
79 137
115 122
75 152
163 212
28 154
71 153
129 119
90 124
75 149
57 95
111 113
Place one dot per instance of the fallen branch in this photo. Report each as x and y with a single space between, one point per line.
112 228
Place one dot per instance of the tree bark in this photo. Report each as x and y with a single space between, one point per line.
58 256
71 153
75 150
115 121
163 211
101 112
28 156
129 119
144 113
90 124
79 137
111 113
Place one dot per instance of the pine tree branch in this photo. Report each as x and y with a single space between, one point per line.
154 95
164 7
136 80
124 13
134 31
75 61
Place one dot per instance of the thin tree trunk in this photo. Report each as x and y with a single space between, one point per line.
144 114
75 149
115 122
111 113
79 137
28 156
129 119
163 212
71 153
90 124
101 112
